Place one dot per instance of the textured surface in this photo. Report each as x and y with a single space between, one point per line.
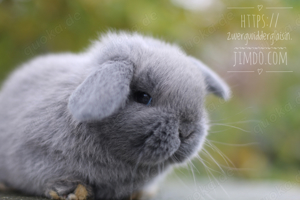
186 190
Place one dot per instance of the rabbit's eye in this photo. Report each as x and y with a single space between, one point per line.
142 97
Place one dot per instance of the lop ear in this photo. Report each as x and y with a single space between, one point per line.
214 83
103 92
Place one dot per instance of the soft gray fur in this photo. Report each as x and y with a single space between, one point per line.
70 119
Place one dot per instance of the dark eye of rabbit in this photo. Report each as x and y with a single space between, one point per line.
142 97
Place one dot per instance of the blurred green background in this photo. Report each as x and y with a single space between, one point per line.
255 135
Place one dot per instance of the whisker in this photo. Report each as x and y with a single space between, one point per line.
217 182
191 162
210 132
237 114
182 182
195 182
209 173
240 122
134 171
244 110
220 153
237 169
219 124
206 152
191 168
236 145
205 165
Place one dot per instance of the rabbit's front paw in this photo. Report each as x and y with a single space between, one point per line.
3 187
143 195
136 196
69 192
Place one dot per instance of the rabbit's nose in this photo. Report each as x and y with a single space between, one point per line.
185 134
180 133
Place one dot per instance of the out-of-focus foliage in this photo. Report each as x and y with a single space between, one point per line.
264 109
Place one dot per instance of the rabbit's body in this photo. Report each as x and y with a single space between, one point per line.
71 120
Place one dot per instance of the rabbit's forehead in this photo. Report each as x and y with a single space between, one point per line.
166 70
174 82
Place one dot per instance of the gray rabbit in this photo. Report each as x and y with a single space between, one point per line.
107 123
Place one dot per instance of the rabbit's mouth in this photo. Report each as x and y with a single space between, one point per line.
189 146
192 143
167 144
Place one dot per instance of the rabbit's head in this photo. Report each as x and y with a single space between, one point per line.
146 98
